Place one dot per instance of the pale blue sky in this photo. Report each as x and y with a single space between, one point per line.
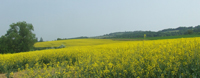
54 19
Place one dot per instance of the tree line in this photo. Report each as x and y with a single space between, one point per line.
162 33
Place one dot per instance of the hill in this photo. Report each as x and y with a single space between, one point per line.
179 32
162 33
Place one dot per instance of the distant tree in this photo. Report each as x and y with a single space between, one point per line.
197 29
41 40
19 38
59 38
189 32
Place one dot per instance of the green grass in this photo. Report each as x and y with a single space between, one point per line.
157 38
173 37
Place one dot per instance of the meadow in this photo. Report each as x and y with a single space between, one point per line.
116 59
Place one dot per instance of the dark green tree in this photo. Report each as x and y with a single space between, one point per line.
189 31
3 42
41 40
59 38
19 38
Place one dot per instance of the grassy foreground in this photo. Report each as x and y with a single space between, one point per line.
152 58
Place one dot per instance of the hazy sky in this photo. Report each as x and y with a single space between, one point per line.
54 19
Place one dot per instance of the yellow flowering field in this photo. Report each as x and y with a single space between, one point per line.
74 42
135 59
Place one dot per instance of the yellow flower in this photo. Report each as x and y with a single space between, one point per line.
110 65
11 74
125 71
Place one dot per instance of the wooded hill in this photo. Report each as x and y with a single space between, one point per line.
162 33
180 31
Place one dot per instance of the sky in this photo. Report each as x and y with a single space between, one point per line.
54 19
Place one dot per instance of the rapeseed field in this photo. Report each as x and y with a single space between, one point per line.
133 59
74 42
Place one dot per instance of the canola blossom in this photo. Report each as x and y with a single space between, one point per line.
134 59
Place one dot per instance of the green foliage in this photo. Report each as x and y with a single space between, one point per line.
59 38
174 37
158 38
18 38
189 32
41 40
163 33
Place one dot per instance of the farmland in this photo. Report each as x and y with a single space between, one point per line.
107 58
74 42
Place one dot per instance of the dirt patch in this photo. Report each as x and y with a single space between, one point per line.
16 75
3 76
